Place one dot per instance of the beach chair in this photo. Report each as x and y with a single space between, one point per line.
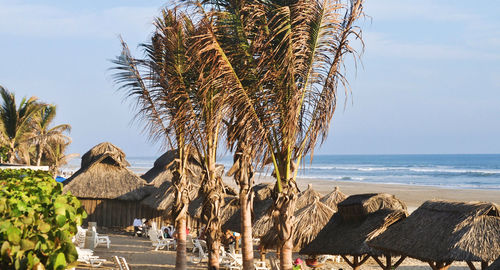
101 239
189 242
121 263
260 265
156 241
235 261
323 258
87 256
199 251
79 238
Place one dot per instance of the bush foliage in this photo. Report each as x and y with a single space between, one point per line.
37 221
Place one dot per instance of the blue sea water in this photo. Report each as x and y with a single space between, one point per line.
452 171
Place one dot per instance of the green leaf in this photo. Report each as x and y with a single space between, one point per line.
60 261
14 235
43 227
5 250
61 220
27 244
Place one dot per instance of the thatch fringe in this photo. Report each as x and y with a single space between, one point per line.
443 231
495 265
105 176
333 198
346 234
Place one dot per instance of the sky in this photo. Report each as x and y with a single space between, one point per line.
428 84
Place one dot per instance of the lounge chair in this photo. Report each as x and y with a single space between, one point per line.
156 241
199 251
87 256
101 239
121 263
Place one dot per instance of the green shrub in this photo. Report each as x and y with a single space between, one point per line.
37 221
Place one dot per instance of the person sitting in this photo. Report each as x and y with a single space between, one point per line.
297 264
166 234
228 239
312 261
137 227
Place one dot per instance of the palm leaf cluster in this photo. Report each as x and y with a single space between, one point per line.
27 134
261 74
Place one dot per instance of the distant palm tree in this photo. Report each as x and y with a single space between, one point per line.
44 136
15 122
282 62
55 155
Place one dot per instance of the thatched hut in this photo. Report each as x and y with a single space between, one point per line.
307 223
333 198
440 232
107 189
359 219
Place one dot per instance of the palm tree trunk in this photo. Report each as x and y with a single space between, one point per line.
243 175
39 154
284 208
11 153
212 205
179 181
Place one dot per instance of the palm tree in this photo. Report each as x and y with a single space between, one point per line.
282 61
162 84
55 155
15 122
42 135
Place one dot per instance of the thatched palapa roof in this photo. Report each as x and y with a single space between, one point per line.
444 231
359 219
308 222
307 197
104 175
164 167
333 198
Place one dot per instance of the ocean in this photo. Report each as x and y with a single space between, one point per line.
451 171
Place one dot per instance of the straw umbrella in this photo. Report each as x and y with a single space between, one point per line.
333 198
359 219
440 232
307 197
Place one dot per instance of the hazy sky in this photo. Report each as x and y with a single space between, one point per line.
429 83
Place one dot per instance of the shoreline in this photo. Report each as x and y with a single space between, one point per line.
412 195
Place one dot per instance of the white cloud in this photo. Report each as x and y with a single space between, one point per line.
52 22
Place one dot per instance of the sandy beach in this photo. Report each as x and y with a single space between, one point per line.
412 195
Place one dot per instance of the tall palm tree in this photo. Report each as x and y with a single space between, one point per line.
42 134
283 63
162 84
15 121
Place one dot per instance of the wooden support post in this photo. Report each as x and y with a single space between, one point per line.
471 265
484 265
357 261
263 254
396 265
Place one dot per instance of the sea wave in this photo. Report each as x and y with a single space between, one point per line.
428 170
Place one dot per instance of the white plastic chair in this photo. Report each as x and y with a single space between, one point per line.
199 251
260 265
101 239
86 256
121 263
156 241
